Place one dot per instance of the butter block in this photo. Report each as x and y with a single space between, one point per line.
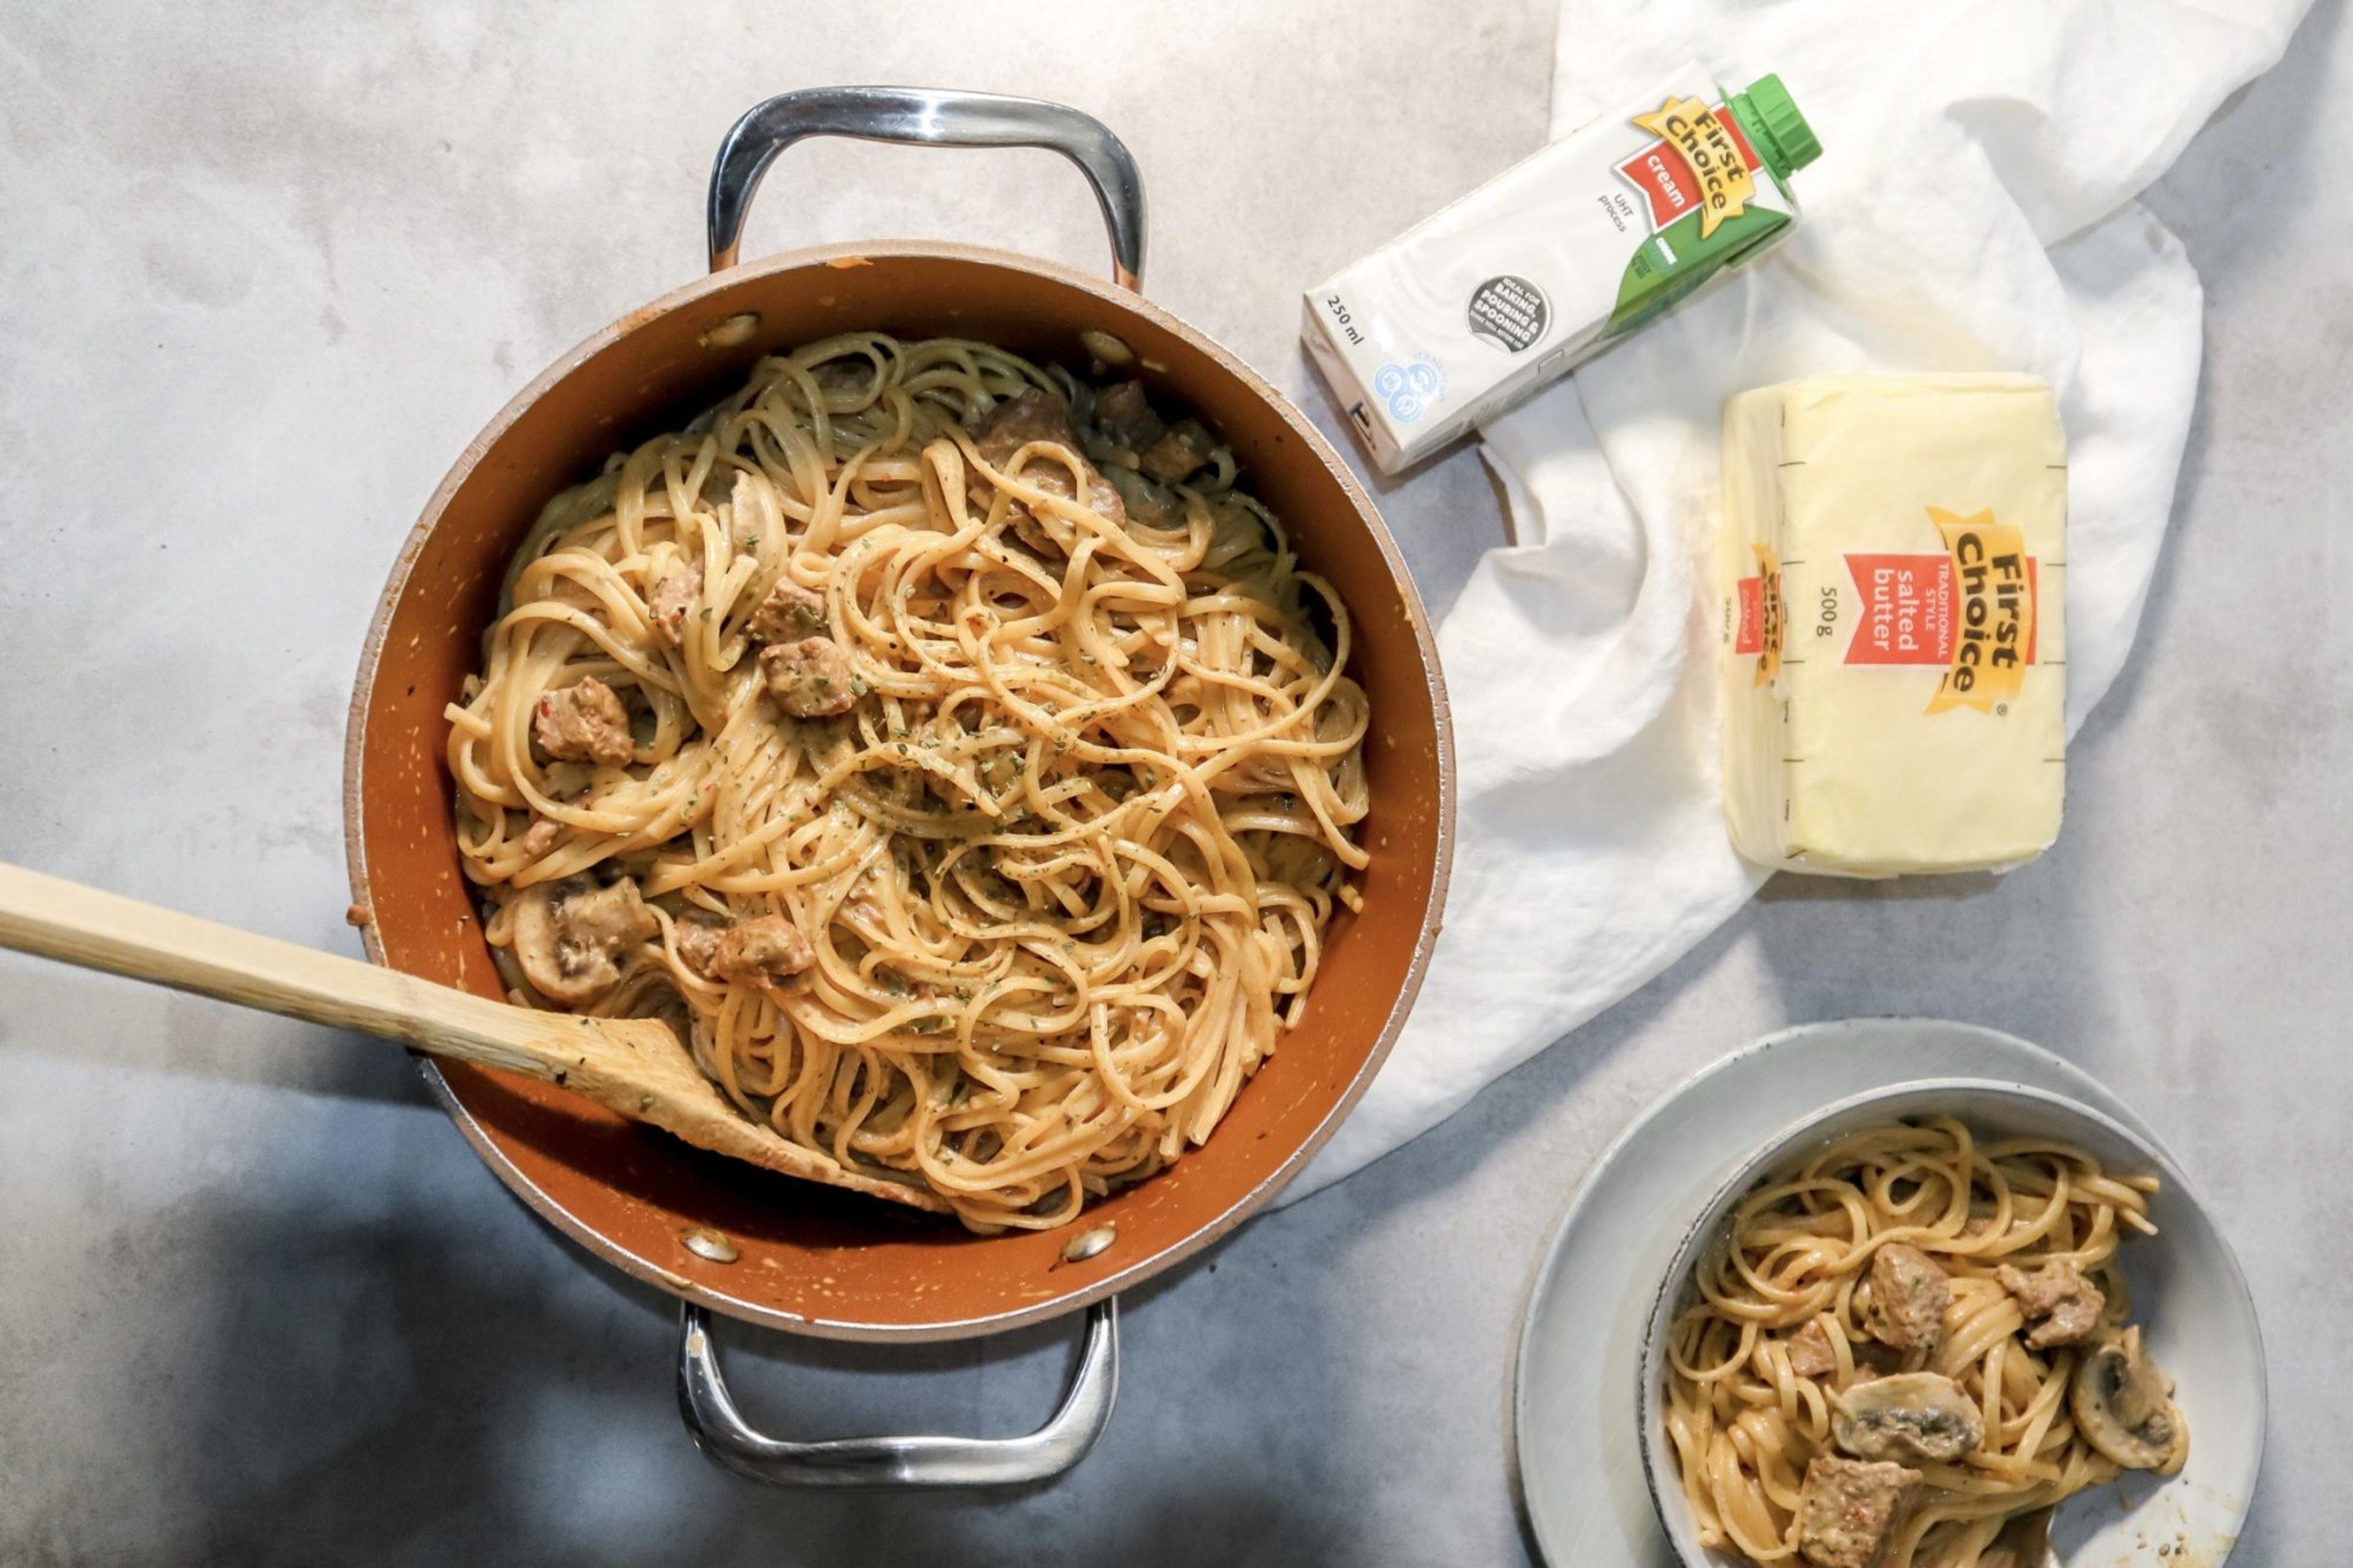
1894 622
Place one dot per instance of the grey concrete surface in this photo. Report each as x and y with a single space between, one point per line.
264 270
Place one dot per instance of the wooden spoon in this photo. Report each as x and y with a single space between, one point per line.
633 1066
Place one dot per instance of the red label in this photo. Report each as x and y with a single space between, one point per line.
1666 182
1906 610
1665 178
1750 638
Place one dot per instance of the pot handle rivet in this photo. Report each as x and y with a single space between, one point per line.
931 118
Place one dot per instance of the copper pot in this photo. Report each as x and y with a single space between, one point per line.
809 1259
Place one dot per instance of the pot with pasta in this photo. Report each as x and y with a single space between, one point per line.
977 710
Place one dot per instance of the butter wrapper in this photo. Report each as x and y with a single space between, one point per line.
1894 625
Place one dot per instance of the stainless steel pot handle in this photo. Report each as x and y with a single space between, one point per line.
933 117
724 1437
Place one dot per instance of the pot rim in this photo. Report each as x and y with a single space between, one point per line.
1218 1225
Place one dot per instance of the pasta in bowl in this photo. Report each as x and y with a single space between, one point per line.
1902 1333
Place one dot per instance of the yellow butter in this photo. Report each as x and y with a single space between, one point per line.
1893 575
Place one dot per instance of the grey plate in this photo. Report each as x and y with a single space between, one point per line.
1579 1462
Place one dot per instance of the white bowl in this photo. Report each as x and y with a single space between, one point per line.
2200 1325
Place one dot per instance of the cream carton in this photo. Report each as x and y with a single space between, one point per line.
1553 259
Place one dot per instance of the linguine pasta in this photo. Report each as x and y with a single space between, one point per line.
1056 874
1776 1364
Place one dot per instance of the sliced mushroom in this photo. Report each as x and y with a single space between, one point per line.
1912 1415
2124 1405
1103 346
568 934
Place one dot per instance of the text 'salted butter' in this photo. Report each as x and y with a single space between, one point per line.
1894 624
1556 258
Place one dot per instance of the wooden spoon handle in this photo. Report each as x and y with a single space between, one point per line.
635 1066
122 936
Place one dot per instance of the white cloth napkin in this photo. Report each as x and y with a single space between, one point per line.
1972 210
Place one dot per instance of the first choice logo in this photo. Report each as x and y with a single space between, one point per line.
1974 611
1710 145
1994 637
1509 312
1763 619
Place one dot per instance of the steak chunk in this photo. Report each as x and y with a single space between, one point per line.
788 613
2059 1304
674 600
1126 415
584 722
764 952
1847 1509
1034 416
1810 1354
1909 1294
809 678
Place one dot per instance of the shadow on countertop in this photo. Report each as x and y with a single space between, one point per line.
452 1382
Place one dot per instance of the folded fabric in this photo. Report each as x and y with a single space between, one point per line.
1972 210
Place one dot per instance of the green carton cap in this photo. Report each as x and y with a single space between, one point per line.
1789 141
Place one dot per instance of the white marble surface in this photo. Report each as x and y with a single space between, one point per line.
263 270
